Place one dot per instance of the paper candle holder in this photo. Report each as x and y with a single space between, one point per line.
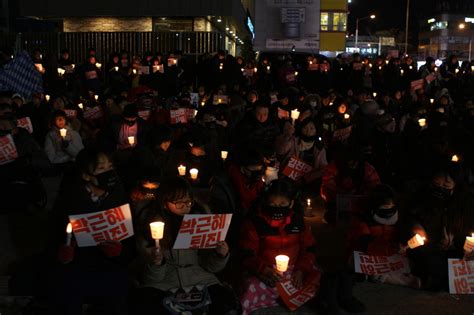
281 262
416 241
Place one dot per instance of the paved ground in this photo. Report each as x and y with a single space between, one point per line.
28 230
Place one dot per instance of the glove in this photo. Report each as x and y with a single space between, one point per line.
65 254
111 248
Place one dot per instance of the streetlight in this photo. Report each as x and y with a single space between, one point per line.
462 26
357 27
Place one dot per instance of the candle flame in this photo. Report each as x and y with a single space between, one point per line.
69 228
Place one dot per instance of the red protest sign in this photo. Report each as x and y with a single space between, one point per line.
378 265
202 230
71 113
461 276
93 113
94 228
296 169
178 116
283 114
25 123
294 298
417 84
8 152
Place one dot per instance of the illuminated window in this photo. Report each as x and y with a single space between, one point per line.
333 21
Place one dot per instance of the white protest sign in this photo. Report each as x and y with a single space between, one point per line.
378 265
202 231
94 228
461 276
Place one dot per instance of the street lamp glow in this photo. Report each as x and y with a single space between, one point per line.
462 26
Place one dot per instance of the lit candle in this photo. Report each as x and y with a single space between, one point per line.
134 71
255 69
224 155
194 173
61 71
96 97
411 67
116 68
98 65
386 62
455 158
73 66
374 94
131 140
456 71
308 202
268 68
296 73
221 66
310 62
401 72
380 67
80 106
472 68
69 234
203 103
157 229
271 174
435 69
469 244
422 122
416 241
282 263
182 170
63 132
295 114
347 116
47 97
242 69
370 65
431 100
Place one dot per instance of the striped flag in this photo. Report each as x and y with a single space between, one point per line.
21 76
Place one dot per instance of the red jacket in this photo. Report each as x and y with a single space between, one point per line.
261 243
248 193
332 185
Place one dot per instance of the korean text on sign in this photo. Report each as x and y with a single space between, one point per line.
294 298
94 228
296 169
8 152
378 265
461 276
202 230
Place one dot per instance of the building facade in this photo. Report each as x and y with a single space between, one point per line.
333 26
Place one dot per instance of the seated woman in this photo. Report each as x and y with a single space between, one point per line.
278 228
168 273
377 233
62 143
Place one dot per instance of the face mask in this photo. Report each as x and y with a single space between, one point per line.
5 132
441 193
276 214
107 180
308 138
390 220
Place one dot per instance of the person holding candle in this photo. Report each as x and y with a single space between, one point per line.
100 271
91 75
167 272
278 220
444 218
62 150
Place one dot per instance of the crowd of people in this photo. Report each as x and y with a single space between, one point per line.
396 138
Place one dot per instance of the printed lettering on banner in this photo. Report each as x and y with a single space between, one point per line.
94 228
461 276
194 99
144 114
219 99
357 66
92 113
296 169
8 152
430 78
25 123
90 75
144 70
283 114
342 134
378 265
71 113
417 84
294 298
178 116
202 231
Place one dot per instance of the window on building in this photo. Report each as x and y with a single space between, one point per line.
333 21
439 26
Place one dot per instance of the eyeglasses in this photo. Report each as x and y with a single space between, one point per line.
182 204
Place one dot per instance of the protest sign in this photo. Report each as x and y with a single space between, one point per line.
25 123
94 228
296 169
294 298
8 152
378 265
461 276
144 70
90 75
417 84
202 231
178 116
70 113
92 113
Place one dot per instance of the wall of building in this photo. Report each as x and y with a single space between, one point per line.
108 24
